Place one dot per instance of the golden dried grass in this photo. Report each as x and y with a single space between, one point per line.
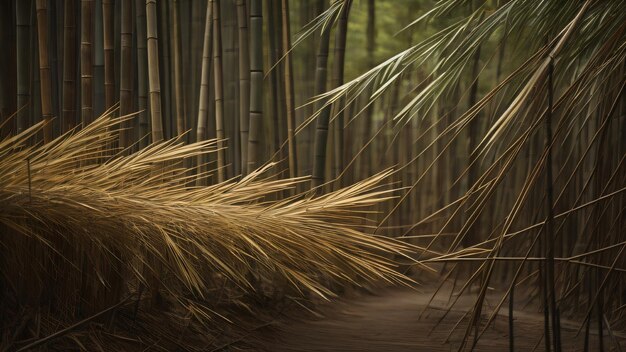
84 226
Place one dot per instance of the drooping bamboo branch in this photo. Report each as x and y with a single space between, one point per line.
153 71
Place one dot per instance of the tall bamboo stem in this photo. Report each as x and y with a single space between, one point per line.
321 128
22 43
244 82
289 94
203 103
109 58
86 61
163 25
337 80
142 81
8 83
178 70
219 91
44 69
256 84
153 71
556 340
126 72
69 67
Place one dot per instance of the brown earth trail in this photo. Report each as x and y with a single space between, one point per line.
390 322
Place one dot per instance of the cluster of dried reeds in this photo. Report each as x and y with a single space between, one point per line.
86 228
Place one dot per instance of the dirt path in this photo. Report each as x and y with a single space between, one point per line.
390 322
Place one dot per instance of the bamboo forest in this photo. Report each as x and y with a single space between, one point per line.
312 175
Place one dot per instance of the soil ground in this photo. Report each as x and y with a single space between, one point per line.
389 321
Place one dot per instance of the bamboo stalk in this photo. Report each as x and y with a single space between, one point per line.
289 92
86 61
278 83
219 91
203 103
55 62
44 69
194 25
178 69
256 84
126 72
35 85
69 67
305 85
244 83
109 58
8 84
163 25
556 343
337 80
98 60
153 71
321 128
364 165
22 43
230 80
142 81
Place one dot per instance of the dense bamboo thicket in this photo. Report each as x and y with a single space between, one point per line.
283 148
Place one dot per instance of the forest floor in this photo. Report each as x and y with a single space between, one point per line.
390 321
